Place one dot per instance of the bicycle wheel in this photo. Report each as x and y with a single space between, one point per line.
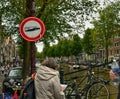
98 91
70 92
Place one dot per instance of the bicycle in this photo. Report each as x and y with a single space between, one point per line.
95 88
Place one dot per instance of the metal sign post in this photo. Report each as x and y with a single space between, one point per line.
32 44
32 29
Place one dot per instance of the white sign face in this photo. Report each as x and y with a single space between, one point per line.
32 29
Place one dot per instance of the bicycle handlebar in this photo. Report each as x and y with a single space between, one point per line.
75 71
89 66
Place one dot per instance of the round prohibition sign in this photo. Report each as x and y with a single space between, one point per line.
32 29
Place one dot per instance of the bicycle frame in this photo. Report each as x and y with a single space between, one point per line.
90 78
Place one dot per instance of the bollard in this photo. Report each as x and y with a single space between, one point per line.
61 71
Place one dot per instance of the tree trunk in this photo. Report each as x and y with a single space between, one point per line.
26 60
29 52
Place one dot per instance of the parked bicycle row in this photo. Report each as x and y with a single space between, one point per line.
87 85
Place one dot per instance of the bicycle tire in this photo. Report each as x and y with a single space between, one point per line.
70 93
98 91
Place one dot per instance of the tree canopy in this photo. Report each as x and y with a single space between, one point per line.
65 47
107 26
59 16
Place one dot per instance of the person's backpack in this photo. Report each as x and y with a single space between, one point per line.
29 89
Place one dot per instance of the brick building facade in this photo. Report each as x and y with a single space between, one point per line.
113 50
7 50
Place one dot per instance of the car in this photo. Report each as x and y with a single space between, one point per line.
13 81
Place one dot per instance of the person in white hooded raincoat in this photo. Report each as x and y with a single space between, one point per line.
47 82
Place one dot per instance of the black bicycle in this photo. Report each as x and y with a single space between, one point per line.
89 86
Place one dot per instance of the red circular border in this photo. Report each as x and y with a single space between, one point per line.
32 38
